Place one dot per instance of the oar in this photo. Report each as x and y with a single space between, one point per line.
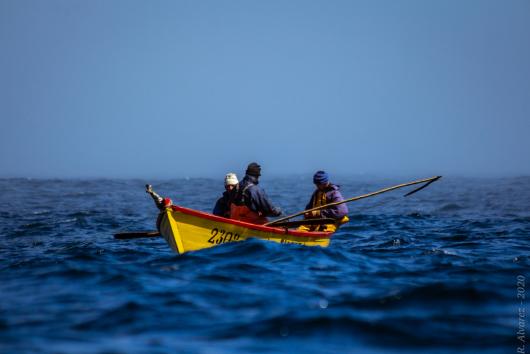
426 180
136 234
297 223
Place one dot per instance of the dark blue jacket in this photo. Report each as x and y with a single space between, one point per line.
255 198
332 195
222 206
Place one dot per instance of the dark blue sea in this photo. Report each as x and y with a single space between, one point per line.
442 271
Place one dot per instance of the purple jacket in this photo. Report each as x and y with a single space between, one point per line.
332 195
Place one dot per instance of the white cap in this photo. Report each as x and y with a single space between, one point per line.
231 179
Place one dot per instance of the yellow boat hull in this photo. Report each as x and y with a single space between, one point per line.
190 230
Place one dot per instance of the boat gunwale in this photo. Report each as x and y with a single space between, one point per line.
275 230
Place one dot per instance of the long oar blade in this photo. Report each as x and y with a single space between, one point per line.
136 234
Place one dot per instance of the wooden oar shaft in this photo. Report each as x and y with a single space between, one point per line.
296 223
432 179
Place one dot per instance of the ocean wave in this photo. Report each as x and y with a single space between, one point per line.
434 273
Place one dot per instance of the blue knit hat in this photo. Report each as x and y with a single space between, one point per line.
320 177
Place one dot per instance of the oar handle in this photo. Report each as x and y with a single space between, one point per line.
426 180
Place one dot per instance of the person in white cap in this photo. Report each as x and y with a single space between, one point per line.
222 206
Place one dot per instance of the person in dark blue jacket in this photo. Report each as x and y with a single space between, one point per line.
251 203
222 206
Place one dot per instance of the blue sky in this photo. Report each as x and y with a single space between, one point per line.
198 88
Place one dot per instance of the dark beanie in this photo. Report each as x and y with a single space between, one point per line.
253 169
320 177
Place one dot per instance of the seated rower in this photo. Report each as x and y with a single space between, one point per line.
325 193
222 206
251 204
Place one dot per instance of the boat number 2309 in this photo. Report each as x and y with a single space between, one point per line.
221 236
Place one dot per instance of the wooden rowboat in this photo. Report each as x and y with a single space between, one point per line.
191 230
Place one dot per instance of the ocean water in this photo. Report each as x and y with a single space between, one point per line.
436 272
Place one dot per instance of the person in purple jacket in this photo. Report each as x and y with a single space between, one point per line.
325 193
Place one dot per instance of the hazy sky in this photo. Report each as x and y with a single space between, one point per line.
107 88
